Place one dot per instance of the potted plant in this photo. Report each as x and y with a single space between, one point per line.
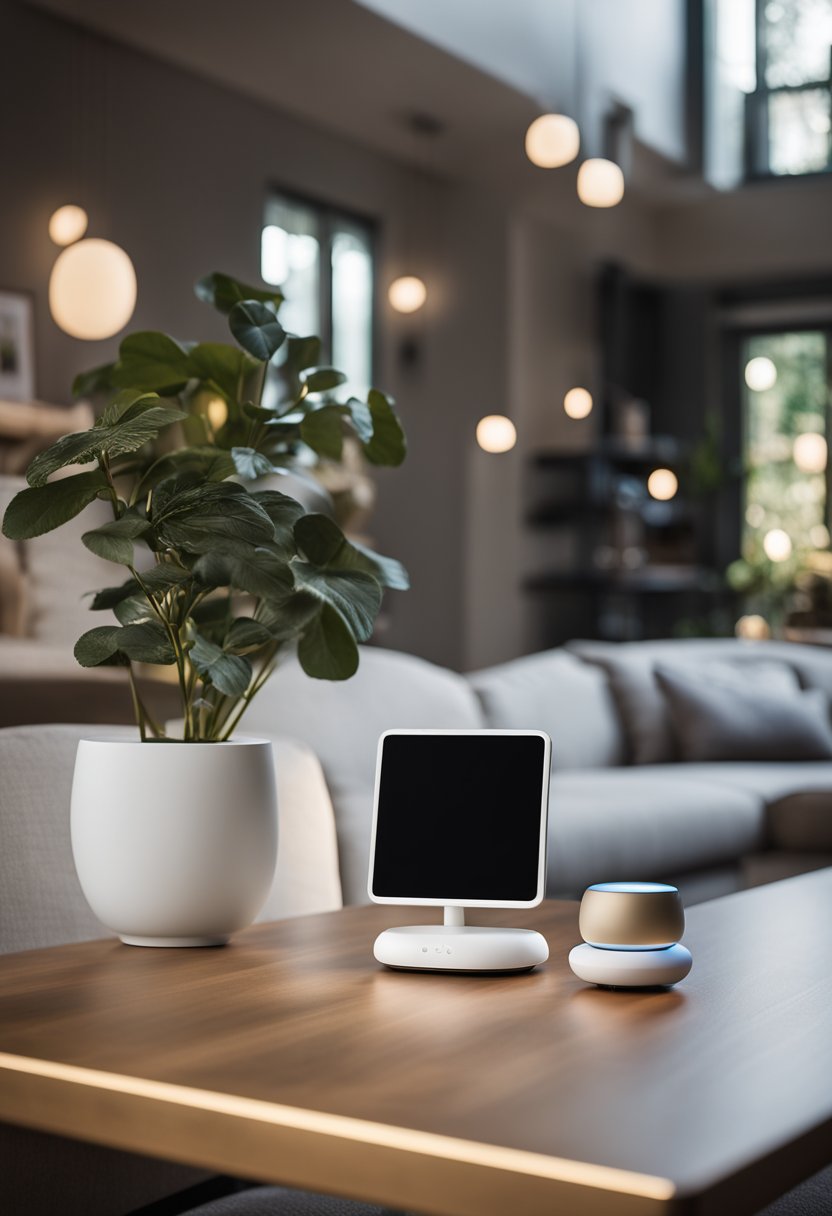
176 844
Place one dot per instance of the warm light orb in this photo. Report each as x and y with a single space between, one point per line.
578 403
217 410
754 627
552 140
777 545
67 224
662 484
760 374
600 183
496 433
810 452
92 289
407 294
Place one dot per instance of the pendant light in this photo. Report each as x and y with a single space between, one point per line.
553 140
601 178
68 224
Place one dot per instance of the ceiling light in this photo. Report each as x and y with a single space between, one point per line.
578 403
407 294
552 140
777 545
67 224
92 289
760 374
810 452
662 484
600 183
496 433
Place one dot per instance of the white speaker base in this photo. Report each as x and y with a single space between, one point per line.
630 968
460 948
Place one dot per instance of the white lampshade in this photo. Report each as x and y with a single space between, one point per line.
92 289
67 224
810 452
496 433
760 374
578 403
662 484
552 140
600 183
407 294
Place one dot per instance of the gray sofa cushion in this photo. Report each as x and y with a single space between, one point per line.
557 693
631 670
342 721
647 823
748 711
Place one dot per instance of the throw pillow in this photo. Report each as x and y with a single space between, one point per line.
758 711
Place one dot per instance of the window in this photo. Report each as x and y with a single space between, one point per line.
768 92
322 259
786 422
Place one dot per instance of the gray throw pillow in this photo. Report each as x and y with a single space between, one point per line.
759 712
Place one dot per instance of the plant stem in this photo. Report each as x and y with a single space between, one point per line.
265 672
177 650
138 708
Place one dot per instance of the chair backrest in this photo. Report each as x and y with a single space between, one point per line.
41 901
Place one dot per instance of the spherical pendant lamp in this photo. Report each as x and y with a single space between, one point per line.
407 294
600 183
67 224
92 289
552 140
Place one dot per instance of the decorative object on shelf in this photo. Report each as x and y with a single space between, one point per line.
92 289
577 403
68 224
407 294
496 433
631 934
174 846
17 346
233 572
552 140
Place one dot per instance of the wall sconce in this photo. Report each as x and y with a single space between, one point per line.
407 293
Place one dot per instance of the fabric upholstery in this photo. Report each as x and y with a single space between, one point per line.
342 722
752 711
648 823
41 902
278 1201
631 670
557 693
802 821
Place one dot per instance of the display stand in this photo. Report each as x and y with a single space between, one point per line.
455 946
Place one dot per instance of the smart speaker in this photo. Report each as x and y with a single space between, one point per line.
459 821
631 932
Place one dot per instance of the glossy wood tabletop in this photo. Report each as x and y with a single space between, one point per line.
291 1056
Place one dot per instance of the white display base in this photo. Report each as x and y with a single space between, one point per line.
630 968
460 947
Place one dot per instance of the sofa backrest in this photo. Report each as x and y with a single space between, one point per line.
630 667
558 693
342 721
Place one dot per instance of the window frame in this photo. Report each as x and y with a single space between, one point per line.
329 215
756 136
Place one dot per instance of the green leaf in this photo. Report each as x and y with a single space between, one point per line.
163 578
388 445
110 596
134 610
322 379
149 361
210 462
362 419
302 353
261 572
284 512
96 380
213 570
322 431
250 464
82 447
256 328
212 517
122 405
285 619
221 365
324 543
114 541
327 649
35 511
224 292
355 595
257 413
229 673
245 635
145 643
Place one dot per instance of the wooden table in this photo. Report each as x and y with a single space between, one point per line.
291 1056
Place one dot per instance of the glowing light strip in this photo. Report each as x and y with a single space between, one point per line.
430 1144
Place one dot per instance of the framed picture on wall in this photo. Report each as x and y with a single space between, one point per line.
17 346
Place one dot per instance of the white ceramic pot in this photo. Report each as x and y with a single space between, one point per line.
175 843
